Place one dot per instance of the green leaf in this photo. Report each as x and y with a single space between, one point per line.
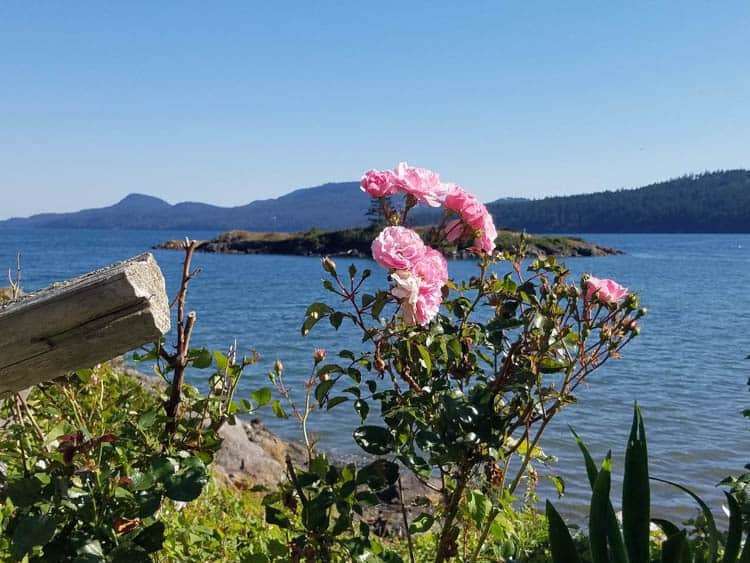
478 506
362 408
734 534
147 419
636 496
278 410
200 358
23 492
335 319
378 475
713 533
261 396
548 365
561 543
675 549
666 526
322 390
276 517
221 361
188 484
426 359
374 440
422 523
151 538
591 470
92 550
335 401
559 484
316 514
30 532
142 481
598 521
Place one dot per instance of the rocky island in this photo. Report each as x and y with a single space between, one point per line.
356 243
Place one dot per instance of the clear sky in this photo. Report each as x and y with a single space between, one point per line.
230 102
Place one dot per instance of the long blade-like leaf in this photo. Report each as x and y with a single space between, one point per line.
734 534
675 549
591 470
745 557
561 543
713 533
598 514
636 494
666 526
614 536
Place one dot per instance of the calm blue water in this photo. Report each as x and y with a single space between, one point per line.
687 369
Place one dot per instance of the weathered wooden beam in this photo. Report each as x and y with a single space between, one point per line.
81 322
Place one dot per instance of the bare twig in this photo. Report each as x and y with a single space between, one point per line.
185 323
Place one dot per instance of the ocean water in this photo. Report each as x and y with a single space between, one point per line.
687 369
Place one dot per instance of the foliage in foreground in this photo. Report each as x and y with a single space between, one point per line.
88 461
630 542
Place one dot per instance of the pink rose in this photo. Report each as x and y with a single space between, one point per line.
419 302
421 183
319 355
397 248
432 268
377 183
477 221
419 289
606 291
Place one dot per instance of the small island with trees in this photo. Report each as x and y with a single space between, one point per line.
356 243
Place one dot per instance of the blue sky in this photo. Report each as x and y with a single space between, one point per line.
231 102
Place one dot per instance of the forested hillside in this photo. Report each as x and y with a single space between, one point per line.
715 202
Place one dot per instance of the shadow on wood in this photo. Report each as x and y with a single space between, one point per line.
81 322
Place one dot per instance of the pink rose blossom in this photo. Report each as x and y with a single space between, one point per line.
421 183
606 291
419 290
379 183
319 355
419 302
427 307
432 268
397 248
477 221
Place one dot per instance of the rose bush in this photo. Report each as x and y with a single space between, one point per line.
466 374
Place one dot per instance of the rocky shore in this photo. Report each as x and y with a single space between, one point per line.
252 456
356 243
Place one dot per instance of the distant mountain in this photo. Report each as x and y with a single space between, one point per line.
713 202
330 206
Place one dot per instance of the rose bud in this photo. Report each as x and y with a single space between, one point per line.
329 265
278 366
319 355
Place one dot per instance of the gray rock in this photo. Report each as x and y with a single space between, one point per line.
239 459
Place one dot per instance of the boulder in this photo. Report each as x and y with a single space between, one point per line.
242 460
